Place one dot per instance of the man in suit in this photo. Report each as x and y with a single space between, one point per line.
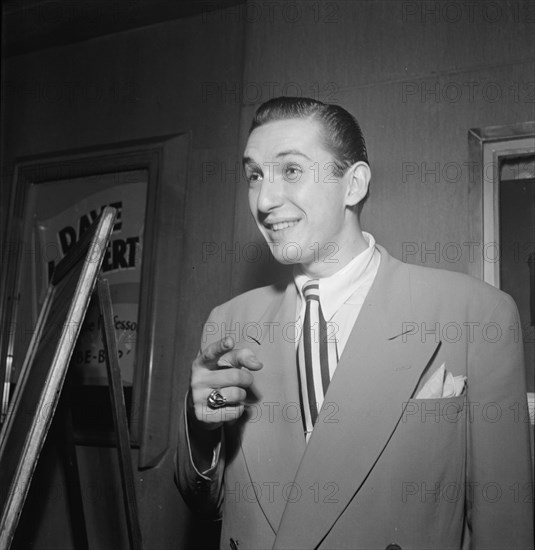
365 403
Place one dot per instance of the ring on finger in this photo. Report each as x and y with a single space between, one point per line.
216 400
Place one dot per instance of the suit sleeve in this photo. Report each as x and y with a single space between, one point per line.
499 492
202 489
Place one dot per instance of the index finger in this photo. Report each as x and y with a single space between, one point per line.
211 354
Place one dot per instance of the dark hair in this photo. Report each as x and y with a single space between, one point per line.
341 131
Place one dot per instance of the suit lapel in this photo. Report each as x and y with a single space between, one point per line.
273 441
375 377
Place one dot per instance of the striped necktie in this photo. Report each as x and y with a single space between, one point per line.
317 357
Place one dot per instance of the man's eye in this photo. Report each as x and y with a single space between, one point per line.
292 173
254 177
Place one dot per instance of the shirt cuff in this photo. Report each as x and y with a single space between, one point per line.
206 474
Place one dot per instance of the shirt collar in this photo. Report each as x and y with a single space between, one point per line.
336 289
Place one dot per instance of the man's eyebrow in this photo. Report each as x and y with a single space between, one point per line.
248 161
293 152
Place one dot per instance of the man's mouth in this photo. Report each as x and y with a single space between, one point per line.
280 225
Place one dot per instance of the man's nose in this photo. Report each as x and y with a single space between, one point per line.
271 194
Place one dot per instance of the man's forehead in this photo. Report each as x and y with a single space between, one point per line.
282 138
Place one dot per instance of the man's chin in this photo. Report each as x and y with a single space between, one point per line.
289 254
284 261
284 251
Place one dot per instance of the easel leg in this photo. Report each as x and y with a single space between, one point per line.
68 452
119 415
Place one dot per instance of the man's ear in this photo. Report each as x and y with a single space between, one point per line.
358 179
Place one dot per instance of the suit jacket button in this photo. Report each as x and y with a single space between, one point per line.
234 544
393 547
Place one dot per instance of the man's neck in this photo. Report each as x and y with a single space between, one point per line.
337 258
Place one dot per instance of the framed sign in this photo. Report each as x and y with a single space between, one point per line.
55 198
62 211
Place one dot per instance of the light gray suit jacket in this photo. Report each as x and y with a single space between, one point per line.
381 468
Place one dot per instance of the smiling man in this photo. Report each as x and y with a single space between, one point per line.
331 421
285 161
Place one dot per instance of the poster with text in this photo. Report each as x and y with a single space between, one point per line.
65 209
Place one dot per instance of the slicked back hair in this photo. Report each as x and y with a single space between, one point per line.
341 132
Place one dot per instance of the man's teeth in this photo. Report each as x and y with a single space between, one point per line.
282 225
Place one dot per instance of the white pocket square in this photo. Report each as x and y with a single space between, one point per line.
442 384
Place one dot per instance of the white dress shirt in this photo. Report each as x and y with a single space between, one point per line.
343 293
